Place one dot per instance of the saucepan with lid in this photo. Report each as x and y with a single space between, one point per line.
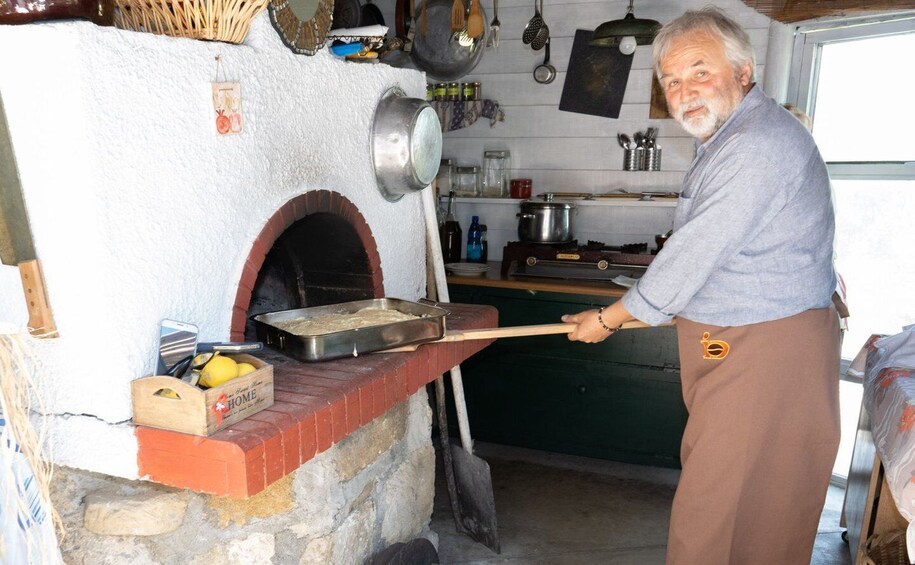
550 221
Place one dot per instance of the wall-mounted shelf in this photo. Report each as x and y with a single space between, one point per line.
616 202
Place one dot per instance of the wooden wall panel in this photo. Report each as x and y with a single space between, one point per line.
570 151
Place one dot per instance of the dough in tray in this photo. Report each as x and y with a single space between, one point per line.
330 323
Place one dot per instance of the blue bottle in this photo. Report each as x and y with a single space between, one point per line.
474 241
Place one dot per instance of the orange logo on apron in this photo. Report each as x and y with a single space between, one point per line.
714 348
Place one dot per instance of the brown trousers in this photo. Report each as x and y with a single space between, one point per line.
760 441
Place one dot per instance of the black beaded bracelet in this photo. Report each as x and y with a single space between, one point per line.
599 319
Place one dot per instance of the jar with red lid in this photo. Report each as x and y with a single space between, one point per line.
521 188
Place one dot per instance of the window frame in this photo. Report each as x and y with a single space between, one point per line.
802 82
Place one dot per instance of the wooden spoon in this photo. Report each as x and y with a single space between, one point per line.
457 16
475 20
422 20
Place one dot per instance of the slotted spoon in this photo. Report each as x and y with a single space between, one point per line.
532 27
543 34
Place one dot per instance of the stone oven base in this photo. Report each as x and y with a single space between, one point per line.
372 489
316 406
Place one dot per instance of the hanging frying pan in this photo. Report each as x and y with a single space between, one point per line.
370 15
346 14
445 55
545 73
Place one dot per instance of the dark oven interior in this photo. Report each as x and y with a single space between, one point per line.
318 260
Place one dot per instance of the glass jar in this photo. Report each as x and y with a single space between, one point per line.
443 178
466 181
496 168
440 90
453 93
470 91
521 188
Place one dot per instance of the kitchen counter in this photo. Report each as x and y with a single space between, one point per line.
618 400
493 279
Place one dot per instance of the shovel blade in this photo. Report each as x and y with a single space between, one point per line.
474 490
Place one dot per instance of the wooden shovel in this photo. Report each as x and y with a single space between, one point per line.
16 246
512 331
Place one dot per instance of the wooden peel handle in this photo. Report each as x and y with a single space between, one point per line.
511 331
523 331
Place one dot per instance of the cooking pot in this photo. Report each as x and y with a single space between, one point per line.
549 221
406 144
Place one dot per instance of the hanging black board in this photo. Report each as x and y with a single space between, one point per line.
596 79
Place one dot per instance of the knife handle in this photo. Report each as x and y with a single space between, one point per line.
41 320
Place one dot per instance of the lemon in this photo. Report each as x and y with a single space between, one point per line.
220 369
245 368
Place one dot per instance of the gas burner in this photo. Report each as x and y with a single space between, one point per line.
592 261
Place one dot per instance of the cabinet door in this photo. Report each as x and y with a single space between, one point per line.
618 400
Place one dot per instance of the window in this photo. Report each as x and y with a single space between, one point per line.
853 79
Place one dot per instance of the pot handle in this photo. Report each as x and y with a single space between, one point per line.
520 215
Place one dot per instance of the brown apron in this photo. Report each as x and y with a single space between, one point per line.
760 441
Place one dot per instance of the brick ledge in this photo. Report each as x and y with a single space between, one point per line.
315 406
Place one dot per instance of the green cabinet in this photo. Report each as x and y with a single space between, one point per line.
618 400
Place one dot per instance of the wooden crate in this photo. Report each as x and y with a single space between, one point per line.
202 412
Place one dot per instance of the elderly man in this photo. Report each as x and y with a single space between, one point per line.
748 274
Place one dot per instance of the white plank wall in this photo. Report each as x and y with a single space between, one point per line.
570 152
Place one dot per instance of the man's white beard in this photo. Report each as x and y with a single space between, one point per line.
707 124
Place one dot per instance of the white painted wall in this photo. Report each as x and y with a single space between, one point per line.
140 212
569 152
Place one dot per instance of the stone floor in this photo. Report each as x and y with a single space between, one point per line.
564 510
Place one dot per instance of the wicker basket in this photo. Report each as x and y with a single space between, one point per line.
219 20
886 549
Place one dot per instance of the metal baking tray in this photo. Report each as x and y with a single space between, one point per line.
429 326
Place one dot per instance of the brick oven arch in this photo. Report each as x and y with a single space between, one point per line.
312 202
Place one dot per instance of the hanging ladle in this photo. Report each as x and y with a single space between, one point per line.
544 73
543 34
532 27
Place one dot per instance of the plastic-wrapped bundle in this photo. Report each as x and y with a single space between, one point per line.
27 519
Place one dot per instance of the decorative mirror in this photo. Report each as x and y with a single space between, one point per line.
302 24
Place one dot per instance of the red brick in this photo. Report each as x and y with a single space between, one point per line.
380 403
248 277
259 249
242 299
307 431
365 403
324 434
287 215
353 412
184 471
338 416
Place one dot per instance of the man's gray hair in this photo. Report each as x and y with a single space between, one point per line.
713 21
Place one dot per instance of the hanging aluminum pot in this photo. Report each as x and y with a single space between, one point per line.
406 144
550 221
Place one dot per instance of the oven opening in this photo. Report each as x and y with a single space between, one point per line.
320 259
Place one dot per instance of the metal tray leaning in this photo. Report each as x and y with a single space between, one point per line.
428 326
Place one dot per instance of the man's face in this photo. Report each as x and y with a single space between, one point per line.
700 84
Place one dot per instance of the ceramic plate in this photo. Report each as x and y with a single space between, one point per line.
467 269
